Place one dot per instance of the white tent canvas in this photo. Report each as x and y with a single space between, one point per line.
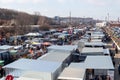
94 62
30 75
56 56
72 74
63 48
24 78
33 34
94 44
92 51
6 47
52 69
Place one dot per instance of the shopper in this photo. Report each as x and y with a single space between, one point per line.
1 72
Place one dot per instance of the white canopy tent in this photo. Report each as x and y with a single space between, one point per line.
17 68
6 47
97 35
26 78
83 40
68 48
94 62
33 34
102 65
94 51
95 44
30 75
63 35
96 40
72 74
56 56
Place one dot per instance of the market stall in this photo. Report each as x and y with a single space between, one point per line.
19 67
72 74
57 56
96 66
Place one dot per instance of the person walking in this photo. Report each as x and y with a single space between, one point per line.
2 72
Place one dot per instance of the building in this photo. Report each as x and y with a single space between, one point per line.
101 24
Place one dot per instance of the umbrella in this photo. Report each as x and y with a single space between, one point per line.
46 43
35 43
1 62
13 51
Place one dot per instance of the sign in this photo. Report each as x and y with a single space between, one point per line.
9 77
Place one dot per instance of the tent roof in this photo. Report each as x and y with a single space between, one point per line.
106 51
26 78
63 48
55 56
30 75
33 34
96 40
34 65
94 43
72 74
97 34
95 62
5 47
17 47
92 50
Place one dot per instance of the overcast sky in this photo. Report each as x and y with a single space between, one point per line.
97 9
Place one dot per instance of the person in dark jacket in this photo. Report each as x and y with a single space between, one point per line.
2 72
119 69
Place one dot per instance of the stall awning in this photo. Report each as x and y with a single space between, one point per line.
94 62
92 50
72 74
26 78
34 65
31 76
63 48
55 56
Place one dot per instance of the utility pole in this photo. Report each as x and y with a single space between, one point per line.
70 24
118 19
70 18
105 19
108 16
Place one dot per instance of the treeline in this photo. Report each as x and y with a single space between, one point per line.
22 18
16 22
13 31
6 14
